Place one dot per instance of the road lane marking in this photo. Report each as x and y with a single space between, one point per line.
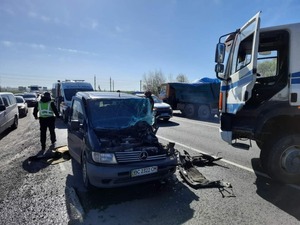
208 124
227 161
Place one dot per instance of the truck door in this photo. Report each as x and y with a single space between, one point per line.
242 65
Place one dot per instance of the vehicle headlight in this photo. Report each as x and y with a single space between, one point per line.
104 157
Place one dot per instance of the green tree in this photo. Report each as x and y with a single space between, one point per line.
267 68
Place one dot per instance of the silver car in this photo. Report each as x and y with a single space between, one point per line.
9 115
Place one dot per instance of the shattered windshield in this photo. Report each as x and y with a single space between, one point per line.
119 113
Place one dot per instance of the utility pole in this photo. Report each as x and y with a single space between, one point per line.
94 82
110 84
140 85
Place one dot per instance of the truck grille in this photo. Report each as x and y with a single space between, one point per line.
135 156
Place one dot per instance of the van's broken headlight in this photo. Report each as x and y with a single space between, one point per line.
104 157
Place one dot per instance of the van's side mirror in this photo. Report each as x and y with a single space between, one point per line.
75 125
2 108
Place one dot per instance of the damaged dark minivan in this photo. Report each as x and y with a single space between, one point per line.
111 135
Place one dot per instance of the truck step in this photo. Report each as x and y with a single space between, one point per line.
241 145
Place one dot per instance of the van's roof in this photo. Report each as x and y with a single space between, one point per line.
105 95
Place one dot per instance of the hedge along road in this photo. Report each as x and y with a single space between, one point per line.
33 194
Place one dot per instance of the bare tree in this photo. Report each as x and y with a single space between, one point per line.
182 78
153 80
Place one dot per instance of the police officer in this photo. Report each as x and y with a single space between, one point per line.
45 111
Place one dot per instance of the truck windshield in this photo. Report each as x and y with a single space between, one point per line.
119 113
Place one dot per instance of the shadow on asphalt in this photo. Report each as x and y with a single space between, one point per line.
282 196
167 124
171 195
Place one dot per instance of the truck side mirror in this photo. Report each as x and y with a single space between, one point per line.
220 53
219 68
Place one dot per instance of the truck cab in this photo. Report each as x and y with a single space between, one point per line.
259 94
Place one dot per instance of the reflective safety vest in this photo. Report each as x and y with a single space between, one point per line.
45 109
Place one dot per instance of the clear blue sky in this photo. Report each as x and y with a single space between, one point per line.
43 41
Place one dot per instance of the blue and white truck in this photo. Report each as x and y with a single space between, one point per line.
260 94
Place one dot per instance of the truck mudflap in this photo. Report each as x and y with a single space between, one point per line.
194 178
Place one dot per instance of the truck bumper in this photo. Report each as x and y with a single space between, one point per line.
226 136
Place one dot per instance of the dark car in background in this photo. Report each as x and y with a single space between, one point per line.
31 99
22 106
110 134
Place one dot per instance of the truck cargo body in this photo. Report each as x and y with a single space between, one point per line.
199 99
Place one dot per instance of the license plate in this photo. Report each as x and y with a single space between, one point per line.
164 114
144 171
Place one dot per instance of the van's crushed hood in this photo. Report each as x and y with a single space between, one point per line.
138 138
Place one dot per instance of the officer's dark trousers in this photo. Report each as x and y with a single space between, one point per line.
47 122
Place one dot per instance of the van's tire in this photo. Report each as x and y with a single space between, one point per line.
281 159
189 111
204 112
15 124
85 176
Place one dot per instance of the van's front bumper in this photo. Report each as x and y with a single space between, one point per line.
108 176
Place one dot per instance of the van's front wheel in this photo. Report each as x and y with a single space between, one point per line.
85 176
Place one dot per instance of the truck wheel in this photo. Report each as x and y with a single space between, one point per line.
189 111
204 112
282 159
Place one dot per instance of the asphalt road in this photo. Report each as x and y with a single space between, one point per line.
35 192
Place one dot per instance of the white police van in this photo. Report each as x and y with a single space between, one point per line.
63 91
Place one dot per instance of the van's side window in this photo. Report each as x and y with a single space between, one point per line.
77 113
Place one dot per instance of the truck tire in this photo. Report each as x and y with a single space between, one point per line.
204 112
281 159
189 110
